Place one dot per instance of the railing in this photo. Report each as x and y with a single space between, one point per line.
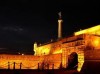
14 65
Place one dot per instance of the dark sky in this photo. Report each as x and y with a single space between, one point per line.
23 22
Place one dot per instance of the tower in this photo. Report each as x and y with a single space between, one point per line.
35 48
60 26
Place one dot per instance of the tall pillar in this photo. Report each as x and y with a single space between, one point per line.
60 26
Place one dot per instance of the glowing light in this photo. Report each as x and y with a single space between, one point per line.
57 51
93 30
45 51
96 42
19 53
22 54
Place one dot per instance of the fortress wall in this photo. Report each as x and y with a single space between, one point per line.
53 59
26 60
92 55
51 48
29 61
92 42
92 47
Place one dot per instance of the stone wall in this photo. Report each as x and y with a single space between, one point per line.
92 55
30 61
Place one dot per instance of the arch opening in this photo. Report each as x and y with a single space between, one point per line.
73 61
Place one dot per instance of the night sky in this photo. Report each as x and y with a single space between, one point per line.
23 22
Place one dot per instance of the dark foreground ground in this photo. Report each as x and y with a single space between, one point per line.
2 71
39 72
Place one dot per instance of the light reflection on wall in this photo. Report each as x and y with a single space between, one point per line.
93 30
57 51
96 42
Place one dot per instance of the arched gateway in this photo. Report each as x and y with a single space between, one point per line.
73 53
72 61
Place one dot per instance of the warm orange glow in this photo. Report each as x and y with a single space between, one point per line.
81 61
29 61
96 42
43 50
93 30
46 51
25 60
57 51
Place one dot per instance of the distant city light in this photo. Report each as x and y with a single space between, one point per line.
22 54
18 52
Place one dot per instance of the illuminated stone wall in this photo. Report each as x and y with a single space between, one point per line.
26 60
74 44
50 48
92 42
80 45
92 49
93 30
54 47
30 61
